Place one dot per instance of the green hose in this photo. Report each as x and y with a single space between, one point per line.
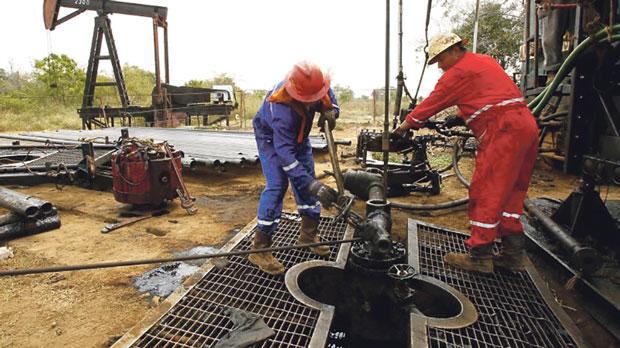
543 98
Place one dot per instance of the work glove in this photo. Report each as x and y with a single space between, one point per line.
326 195
330 117
453 121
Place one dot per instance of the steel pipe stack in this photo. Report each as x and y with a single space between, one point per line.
28 215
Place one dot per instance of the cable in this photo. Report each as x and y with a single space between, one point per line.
428 19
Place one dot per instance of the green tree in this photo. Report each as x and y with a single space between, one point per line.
59 75
140 84
343 94
3 80
221 79
500 30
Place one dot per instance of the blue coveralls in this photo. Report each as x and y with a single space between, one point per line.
283 158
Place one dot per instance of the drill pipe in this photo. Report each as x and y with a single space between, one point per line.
27 206
52 269
29 226
378 223
365 185
9 218
585 259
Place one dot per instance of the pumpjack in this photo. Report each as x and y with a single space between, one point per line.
170 104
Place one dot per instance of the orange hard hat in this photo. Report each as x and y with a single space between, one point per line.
306 82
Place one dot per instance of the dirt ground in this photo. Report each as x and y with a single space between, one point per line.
94 308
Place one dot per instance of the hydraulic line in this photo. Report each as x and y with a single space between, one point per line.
553 116
424 207
538 103
54 269
455 163
598 37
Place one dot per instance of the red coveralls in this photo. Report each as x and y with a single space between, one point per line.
493 108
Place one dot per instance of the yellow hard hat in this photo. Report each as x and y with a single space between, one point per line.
441 43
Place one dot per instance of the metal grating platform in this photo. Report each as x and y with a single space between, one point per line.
197 319
514 309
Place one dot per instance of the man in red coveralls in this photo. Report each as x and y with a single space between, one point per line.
492 106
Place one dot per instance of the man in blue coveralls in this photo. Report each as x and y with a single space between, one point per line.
281 128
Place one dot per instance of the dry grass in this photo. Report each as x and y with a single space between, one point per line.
43 118
357 112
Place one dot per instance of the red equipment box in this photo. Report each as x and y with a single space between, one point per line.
140 180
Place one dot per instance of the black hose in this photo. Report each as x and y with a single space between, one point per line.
444 205
553 116
456 154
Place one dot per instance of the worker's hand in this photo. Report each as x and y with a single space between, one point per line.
330 117
452 121
326 195
400 131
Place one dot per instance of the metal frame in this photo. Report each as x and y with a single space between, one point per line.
162 110
412 175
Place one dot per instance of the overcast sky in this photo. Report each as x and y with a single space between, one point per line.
256 42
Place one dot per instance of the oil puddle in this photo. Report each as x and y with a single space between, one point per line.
162 281
199 250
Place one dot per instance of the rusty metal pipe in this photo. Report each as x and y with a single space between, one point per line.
378 225
9 218
29 226
53 269
585 259
27 206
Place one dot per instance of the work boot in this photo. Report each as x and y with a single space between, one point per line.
512 256
265 261
478 259
309 233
